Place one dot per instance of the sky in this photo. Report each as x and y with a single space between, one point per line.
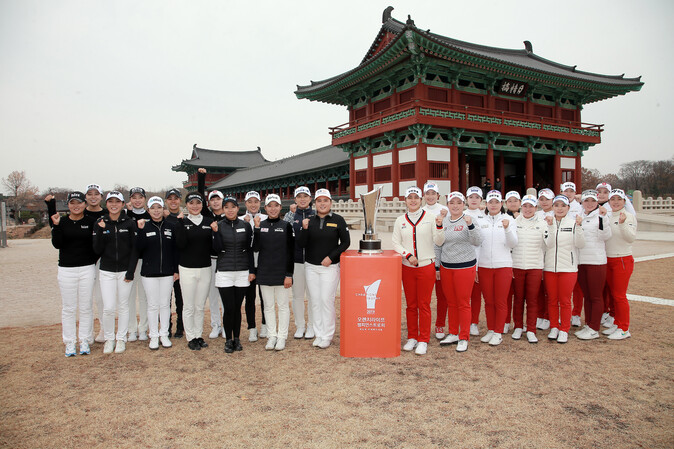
117 92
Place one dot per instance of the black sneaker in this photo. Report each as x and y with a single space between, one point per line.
179 333
194 345
237 345
229 346
202 343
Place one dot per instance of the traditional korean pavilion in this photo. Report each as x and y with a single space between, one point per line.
423 106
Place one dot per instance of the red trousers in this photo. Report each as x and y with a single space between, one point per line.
526 283
509 304
609 304
560 287
543 301
577 300
475 303
495 284
592 279
458 286
418 286
618 273
441 309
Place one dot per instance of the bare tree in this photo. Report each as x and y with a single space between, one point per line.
635 174
591 177
21 191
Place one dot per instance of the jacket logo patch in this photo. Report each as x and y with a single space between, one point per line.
279 230
264 229
331 225
205 227
122 230
240 230
565 229
150 234
458 228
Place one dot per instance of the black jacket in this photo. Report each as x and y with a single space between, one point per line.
195 242
156 245
74 239
327 237
234 245
116 244
275 241
296 220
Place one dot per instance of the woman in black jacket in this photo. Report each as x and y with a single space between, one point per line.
157 247
114 241
233 243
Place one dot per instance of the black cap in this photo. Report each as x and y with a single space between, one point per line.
79 196
137 190
194 196
230 199
175 192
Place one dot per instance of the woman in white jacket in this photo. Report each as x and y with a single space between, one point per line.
414 235
564 237
495 265
528 267
592 263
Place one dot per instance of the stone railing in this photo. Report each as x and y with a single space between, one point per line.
652 205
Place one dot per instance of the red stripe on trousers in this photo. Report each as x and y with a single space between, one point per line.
418 286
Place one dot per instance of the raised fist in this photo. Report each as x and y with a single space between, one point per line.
468 219
214 226
56 218
622 218
305 223
438 220
181 215
246 218
256 221
166 213
548 220
443 213
101 223
506 223
201 170
602 211
579 220
141 224
49 197
293 208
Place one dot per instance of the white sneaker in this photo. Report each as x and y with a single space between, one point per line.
165 342
496 339
299 333
325 344
109 347
554 333
506 328
214 332
517 333
474 331
142 336
462 346
132 336
271 343
120 347
252 336
222 332
589 334
487 337
563 337
317 342
71 350
610 330
439 333
610 321
604 317
100 338
421 349
309 334
582 331
263 331
154 343
619 334
531 337
411 344
280 344
84 348
545 325
575 321
538 323
451 338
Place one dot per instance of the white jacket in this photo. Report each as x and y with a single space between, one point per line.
475 215
425 233
530 250
622 235
594 251
563 241
497 241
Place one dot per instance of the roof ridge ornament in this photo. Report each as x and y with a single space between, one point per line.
528 47
409 21
386 16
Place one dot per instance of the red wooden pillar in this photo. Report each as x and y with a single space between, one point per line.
352 178
578 175
395 173
454 165
462 172
557 173
529 170
422 164
490 165
370 172
501 171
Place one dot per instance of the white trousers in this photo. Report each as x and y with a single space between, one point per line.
279 295
138 291
77 286
195 284
322 283
214 301
158 291
299 290
98 301
116 293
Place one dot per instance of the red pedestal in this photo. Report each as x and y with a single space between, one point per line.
370 304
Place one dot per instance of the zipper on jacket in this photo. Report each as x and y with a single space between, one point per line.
116 251
556 243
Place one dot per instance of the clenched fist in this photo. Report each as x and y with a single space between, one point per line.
579 220
256 221
293 208
101 223
141 224
214 226
56 219
468 219
201 170
305 223
246 218
506 223
622 218
548 220
602 211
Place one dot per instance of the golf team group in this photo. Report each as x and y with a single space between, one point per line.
536 260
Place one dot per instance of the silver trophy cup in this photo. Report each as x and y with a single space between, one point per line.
370 244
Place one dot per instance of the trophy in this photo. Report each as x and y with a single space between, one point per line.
370 244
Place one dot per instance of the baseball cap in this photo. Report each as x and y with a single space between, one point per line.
411 190
302 189
458 195
77 196
216 193
494 195
252 194
175 192
568 185
431 186
97 187
155 200
194 196
272 198
137 190
587 194
115 194
549 194
561 198
474 190
230 199
322 192
604 185
529 199
512 194
618 192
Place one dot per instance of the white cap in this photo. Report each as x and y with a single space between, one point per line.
494 195
302 189
512 194
115 194
271 198
474 190
529 199
549 194
411 190
458 195
252 194
604 185
588 194
155 200
216 193
561 198
322 192
431 186
617 192
97 187
568 185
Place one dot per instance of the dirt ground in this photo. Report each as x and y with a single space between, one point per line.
582 394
